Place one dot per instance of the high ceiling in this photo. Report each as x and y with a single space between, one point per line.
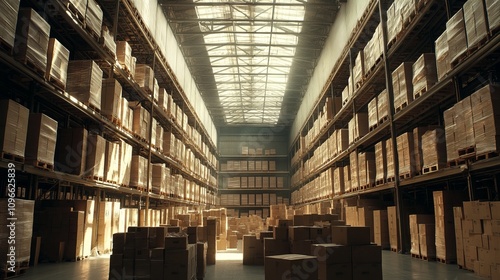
251 59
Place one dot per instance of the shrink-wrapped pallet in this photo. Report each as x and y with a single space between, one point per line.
394 21
111 97
408 10
354 167
338 181
156 90
383 106
485 104
153 132
138 172
85 82
71 150
415 220
372 113
443 60
332 107
418 132
359 68
14 120
464 132
390 159
450 128
144 76
402 86
112 162
133 64
433 150
493 12
346 95
475 22
347 178
141 120
9 10
41 137
57 63
22 232
32 39
366 168
424 74
444 201
406 158
104 229
108 41
457 38
93 17
95 161
125 163
380 162
126 115
159 137
159 178
124 55
79 6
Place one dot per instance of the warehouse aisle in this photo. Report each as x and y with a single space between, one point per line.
229 267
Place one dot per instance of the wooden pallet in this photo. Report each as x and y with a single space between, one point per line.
19 269
42 165
32 66
6 47
445 261
390 179
373 127
95 178
114 120
459 59
394 250
476 46
428 259
486 155
76 14
416 256
406 175
456 162
379 182
420 92
92 33
56 83
408 20
112 182
400 108
467 152
389 44
140 138
430 169
12 157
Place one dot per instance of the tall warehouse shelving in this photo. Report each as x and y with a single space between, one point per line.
344 129
172 145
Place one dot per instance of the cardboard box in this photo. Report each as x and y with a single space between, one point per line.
332 253
14 120
74 139
85 82
274 247
176 242
280 233
9 9
372 271
57 63
457 38
366 254
296 233
427 240
381 228
41 137
301 247
347 235
278 267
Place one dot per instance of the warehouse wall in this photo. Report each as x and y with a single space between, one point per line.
340 32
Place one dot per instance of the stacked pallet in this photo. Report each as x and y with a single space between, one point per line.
366 169
108 41
373 49
381 229
475 23
138 173
93 18
485 104
8 20
493 12
457 38
32 40
359 70
380 163
406 158
112 162
73 141
402 86
111 96
57 63
415 235
433 150
124 56
41 137
16 256
141 119
95 157
424 74
444 201
394 22
418 145
443 60
85 82
358 127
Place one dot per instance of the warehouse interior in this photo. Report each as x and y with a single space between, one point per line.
250 139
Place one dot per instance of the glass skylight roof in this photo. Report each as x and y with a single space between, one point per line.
251 49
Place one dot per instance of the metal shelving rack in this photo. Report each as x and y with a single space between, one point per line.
127 25
416 38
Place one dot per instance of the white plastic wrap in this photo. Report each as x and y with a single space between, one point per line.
424 73
405 153
41 137
14 123
23 231
475 22
57 63
138 172
93 17
402 85
434 149
111 99
32 39
372 113
108 40
159 137
359 69
85 82
457 39
493 11
383 105
354 168
124 54
394 21
141 118
408 10
450 134
125 163
380 161
112 162
95 160
485 104
8 20
390 158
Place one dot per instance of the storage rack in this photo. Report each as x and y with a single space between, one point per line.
231 141
417 37
44 96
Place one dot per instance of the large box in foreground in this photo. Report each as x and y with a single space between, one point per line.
291 266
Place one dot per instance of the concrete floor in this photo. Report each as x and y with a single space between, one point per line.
229 267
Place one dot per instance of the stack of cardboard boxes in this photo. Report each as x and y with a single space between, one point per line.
477 230
415 235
